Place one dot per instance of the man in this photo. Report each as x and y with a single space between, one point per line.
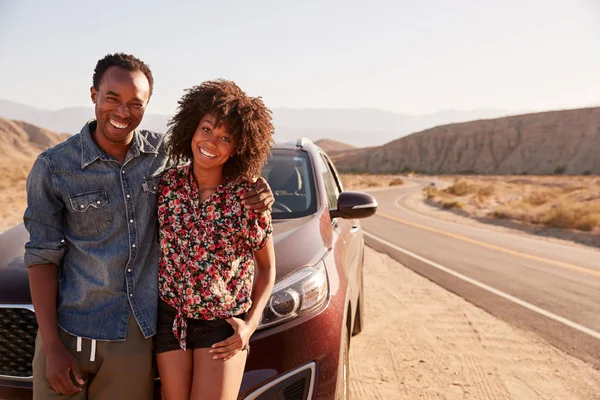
93 248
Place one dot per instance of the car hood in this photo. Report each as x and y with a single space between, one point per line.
298 242
14 281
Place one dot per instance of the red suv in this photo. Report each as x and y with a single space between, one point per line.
300 350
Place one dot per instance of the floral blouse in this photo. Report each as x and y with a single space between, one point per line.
206 264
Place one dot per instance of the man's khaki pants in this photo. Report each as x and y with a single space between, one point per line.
121 370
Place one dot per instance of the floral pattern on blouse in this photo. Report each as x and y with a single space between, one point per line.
206 263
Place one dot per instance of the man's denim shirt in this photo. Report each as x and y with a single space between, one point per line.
96 219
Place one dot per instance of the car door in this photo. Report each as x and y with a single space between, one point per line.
349 230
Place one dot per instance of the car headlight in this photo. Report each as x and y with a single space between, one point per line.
302 291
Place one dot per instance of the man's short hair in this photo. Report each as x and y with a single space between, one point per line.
122 60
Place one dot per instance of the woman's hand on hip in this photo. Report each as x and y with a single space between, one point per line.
235 343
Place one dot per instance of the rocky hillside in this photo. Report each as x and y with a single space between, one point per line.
542 143
20 143
332 146
21 140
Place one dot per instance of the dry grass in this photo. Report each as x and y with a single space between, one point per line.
562 213
13 175
570 202
442 197
362 181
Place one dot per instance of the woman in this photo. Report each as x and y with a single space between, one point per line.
210 301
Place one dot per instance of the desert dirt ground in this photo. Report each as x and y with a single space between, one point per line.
423 342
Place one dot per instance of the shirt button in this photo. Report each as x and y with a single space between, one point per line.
82 206
98 202
133 245
130 294
128 196
129 270
131 221
123 171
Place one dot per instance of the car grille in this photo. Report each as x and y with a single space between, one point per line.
296 385
296 390
18 328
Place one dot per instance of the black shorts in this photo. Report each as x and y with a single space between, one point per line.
201 334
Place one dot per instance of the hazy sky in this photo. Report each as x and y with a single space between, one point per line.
405 56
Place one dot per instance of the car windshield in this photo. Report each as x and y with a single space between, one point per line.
290 176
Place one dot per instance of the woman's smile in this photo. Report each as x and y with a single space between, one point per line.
207 154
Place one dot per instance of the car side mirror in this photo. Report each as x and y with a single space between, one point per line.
354 205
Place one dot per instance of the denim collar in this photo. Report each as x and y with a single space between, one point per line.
90 151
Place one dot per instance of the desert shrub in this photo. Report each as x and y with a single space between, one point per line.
571 189
485 191
459 188
354 181
448 204
559 170
539 198
520 181
430 192
498 214
570 215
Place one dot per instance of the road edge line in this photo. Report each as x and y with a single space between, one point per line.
490 289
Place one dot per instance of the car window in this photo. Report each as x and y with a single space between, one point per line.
331 186
334 173
289 174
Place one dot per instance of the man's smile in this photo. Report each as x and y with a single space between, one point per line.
117 124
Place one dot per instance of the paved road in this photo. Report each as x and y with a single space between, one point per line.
539 285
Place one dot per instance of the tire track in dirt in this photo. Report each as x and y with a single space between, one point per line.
476 375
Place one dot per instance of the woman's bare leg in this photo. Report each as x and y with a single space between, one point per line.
217 379
175 369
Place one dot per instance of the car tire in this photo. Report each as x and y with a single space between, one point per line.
359 316
344 381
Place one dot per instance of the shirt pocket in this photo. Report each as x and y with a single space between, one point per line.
90 211
150 188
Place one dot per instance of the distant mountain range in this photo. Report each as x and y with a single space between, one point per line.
357 127
333 146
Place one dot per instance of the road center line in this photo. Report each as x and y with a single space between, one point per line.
476 242
490 289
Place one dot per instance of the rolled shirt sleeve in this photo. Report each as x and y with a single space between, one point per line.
43 217
259 229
